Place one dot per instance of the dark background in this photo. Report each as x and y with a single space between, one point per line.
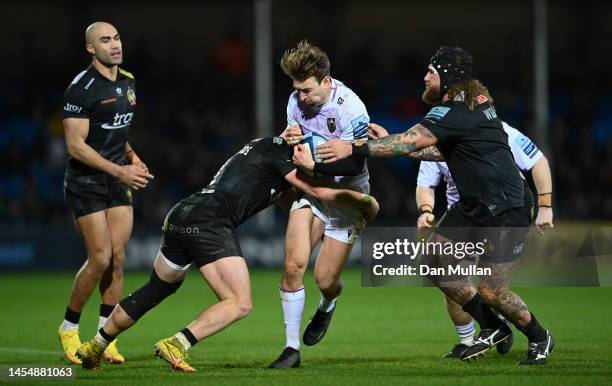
194 67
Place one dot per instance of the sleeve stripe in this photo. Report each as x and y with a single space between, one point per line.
126 73
534 153
361 130
78 77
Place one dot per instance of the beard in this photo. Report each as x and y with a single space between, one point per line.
431 96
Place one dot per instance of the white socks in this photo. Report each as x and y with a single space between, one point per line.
466 333
182 339
101 341
293 309
66 325
101 322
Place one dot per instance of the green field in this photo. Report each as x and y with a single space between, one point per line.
378 336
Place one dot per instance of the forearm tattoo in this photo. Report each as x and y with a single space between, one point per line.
398 144
431 153
392 145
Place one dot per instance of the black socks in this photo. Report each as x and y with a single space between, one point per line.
482 313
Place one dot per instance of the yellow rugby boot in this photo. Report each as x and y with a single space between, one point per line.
70 343
90 353
171 351
112 355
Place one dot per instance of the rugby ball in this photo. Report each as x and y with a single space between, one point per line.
310 142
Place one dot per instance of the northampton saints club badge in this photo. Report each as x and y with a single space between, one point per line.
131 96
331 124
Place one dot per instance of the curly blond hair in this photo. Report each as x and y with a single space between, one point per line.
471 90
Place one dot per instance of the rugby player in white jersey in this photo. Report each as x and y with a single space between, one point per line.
528 158
323 105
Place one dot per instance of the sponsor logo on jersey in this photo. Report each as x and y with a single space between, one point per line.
119 121
490 113
360 126
437 113
340 100
131 96
119 91
72 108
528 147
481 99
331 124
181 229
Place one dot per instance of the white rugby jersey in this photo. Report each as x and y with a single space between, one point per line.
344 116
525 153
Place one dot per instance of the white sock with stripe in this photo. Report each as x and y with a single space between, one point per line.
466 333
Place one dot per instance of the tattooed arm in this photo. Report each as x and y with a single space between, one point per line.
431 153
417 138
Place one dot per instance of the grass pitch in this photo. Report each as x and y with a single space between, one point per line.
380 336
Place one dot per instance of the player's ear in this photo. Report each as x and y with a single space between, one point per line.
90 48
326 81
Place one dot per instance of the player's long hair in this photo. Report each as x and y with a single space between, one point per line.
471 91
304 61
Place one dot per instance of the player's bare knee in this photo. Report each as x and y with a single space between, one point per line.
99 260
119 254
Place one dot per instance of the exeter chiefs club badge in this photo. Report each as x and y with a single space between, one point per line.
131 96
331 124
